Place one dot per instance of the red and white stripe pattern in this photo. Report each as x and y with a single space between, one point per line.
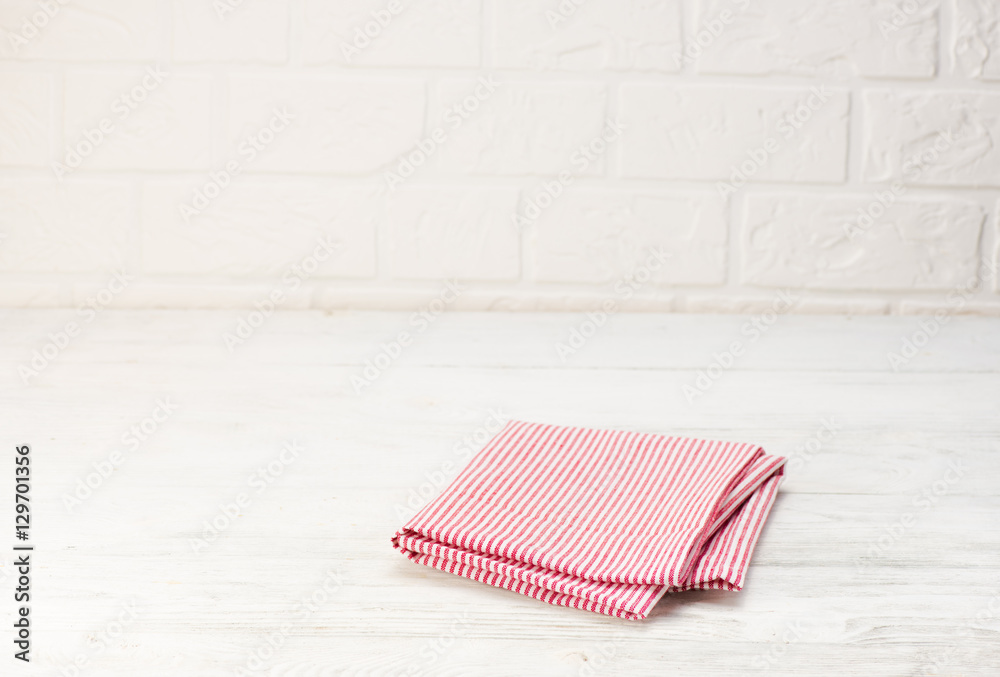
601 520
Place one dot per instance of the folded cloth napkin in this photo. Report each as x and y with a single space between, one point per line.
601 520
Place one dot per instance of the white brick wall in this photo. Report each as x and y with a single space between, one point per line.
359 154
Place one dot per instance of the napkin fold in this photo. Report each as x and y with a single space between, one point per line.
601 520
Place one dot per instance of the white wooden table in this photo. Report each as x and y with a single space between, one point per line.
877 559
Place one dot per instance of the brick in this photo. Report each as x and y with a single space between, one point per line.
31 295
521 128
815 305
83 30
216 31
641 35
969 307
392 33
255 228
72 226
340 126
714 132
868 38
559 300
24 118
976 38
991 260
800 241
932 137
592 236
742 302
463 232
157 120
201 294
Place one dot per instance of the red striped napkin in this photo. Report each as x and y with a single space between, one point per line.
601 520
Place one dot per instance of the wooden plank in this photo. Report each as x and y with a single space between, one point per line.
625 341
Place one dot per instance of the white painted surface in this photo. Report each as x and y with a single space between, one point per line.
819 106
928 603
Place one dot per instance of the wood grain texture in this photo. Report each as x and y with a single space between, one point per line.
881 557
